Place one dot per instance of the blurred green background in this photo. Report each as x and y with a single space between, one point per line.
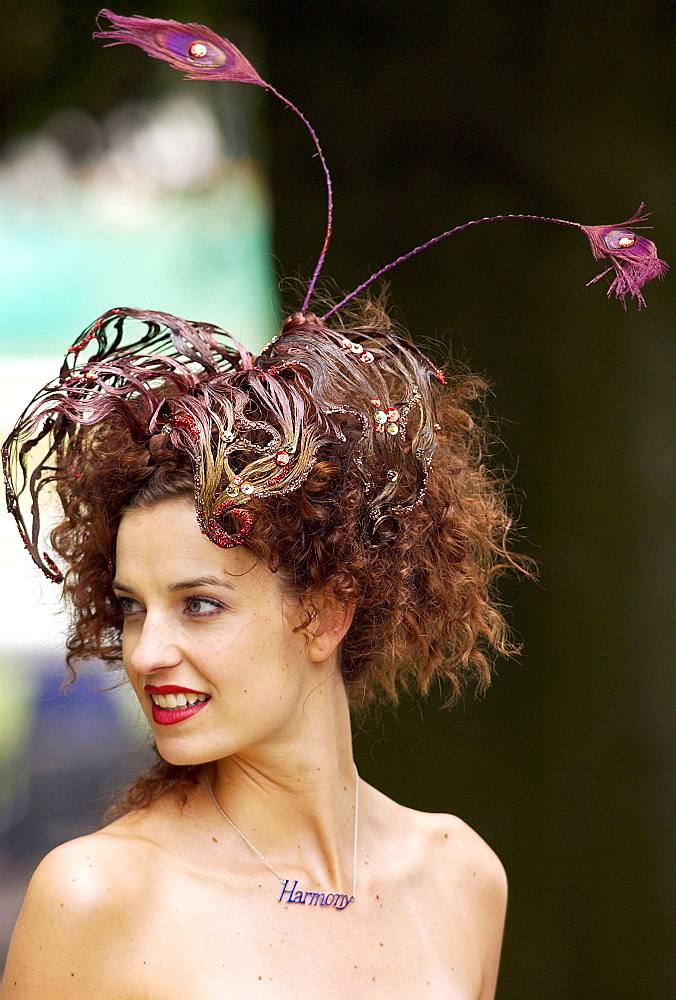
430 114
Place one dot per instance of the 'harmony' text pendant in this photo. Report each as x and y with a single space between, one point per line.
337 899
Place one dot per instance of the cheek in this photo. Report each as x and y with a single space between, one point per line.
127 649
267 657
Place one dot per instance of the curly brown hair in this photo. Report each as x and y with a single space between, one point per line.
421 585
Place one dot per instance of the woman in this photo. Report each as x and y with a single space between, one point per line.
265 543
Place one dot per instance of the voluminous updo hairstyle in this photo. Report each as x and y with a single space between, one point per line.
340 456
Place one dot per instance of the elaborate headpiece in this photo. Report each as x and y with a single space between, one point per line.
254 426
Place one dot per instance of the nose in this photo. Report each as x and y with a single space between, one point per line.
152 648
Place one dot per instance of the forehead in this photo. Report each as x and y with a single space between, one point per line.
163 544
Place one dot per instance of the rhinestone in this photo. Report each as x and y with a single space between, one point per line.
198 50
247 488
392 475
626 241
380 417
375 401
392 414
282 458
392 429
375 514
232 490
367 358
356 348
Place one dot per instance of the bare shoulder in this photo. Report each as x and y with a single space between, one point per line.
453 866
446 844
94 873
461 849
75 917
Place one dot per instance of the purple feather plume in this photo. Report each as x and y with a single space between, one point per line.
204 55
634 257
198 51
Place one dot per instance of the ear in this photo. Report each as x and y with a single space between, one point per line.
329 627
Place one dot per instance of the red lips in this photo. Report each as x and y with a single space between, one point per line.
169 717
170 689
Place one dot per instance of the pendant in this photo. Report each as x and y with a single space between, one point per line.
336 899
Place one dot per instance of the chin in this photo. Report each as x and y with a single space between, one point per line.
182 756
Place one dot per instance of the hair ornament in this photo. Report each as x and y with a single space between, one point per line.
254 428
204 55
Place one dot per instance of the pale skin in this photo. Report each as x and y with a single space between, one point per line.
168 903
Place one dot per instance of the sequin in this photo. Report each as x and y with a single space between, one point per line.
282 458
290 448
356 348
392 429
375 401
238 480
219 536
232 490
380 417
367 358
228 436
392 475
392 414
198 50
247 488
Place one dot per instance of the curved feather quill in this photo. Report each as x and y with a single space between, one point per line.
634 257
204 55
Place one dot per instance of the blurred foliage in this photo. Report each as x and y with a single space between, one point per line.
430 114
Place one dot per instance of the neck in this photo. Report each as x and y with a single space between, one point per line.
295 798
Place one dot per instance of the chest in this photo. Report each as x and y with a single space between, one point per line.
212 942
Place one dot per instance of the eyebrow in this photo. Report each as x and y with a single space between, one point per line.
200 581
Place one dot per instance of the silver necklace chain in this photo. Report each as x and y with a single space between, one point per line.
264 859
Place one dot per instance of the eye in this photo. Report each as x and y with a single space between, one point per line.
127 606
202 606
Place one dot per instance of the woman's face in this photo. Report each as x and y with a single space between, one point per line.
208 641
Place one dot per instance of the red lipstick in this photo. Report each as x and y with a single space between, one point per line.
170 689
168 717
